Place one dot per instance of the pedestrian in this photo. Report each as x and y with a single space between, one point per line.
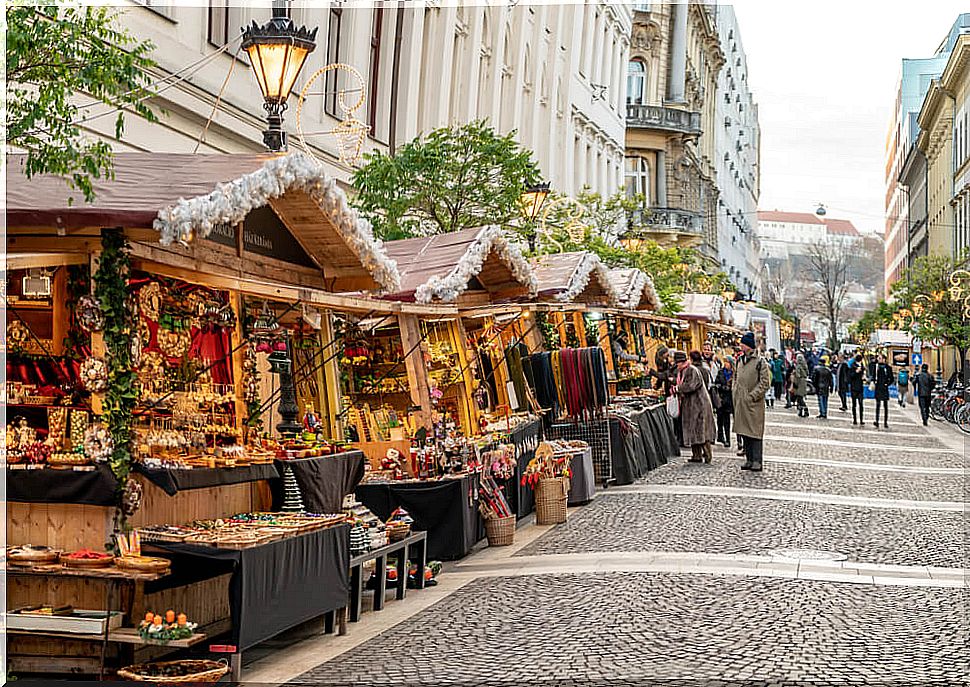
842 380
923 385
789 371
724 406
822 379
710 360
799 384
752 378
857 388
696 412
777 365
902 385
882 378
666 376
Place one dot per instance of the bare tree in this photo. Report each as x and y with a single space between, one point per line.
777 285
827 269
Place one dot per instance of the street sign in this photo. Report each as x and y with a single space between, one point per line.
917 345
917 359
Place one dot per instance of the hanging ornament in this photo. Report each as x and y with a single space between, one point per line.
150 298
90 317
94 374
135 350
98 444
131 499
350 132
17 334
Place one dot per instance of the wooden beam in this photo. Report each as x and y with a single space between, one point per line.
417 372
59 309
26 261
331 378
238 356
469 408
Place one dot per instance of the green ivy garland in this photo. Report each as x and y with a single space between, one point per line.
111 290
550 335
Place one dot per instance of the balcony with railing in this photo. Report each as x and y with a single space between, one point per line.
663 118
667 225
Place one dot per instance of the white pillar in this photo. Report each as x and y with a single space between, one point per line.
678 54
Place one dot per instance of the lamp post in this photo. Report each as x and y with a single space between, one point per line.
277 51
531 201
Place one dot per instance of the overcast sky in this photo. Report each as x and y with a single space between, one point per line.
824 75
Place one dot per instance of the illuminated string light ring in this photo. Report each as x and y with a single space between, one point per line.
350 132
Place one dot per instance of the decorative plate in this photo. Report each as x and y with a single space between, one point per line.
90 317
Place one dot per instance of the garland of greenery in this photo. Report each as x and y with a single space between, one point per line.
111 290
550 335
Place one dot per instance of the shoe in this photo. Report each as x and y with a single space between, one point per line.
854 422
876 424
844 410
740 453
746 466
925 423
693 460
756 467
726 444
819 416
885 425
707 460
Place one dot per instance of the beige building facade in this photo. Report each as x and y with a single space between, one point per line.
552 73
675 57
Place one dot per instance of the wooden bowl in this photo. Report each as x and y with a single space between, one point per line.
87 562
143 563
29 555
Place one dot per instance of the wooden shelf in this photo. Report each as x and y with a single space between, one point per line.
123 635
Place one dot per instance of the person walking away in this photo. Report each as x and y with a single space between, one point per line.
857 388
777 376
752 377
902 384
842 380
799 384
883 378
822 379
696 412
923 385
723 385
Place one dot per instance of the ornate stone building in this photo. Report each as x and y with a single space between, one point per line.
675 57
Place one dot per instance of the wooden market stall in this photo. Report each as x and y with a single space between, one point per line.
233 260
709 317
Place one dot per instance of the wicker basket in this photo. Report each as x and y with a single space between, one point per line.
500 531
551 496
196 671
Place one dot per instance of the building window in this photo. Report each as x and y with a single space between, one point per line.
377 28
636 83
163 8
225 22
637 179
334 54
642 6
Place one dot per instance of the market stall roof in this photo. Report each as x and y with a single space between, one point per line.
702 306
634 288
444 266
184 197
891 337
568 277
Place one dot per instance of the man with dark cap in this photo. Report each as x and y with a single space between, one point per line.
752 379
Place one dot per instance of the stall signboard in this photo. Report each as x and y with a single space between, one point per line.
900 357
263 234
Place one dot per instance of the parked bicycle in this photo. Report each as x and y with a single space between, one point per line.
949 404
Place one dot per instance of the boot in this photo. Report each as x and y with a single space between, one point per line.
747 465
756 467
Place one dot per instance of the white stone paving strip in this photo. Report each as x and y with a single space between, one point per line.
874 467
857 444
780 495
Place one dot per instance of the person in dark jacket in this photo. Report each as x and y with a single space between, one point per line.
822 379
883 377
842 380
777 365
857 388
923 386
724 400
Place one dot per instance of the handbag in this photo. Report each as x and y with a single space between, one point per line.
872 386
673 406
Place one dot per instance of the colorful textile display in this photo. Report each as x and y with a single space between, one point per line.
571 382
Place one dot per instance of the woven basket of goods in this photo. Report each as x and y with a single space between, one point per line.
31 555
143 563
551 494
396 531
175 672
500 531
86 558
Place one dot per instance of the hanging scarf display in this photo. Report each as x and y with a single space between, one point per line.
570 382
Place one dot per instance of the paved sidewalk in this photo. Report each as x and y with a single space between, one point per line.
844 561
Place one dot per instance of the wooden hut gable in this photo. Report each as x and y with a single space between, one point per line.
445 266
570 277
635 289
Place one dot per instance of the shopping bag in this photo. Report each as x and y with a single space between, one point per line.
673 406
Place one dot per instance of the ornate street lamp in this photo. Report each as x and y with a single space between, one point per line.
277 51
531 202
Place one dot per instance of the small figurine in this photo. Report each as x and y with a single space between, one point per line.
26 435
311 421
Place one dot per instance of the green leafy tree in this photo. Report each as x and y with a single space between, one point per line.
932 306
452 179
57 53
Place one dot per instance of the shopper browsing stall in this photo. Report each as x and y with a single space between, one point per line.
696 412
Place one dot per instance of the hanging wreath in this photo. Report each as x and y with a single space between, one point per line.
98 444
150 299
94 374
90 317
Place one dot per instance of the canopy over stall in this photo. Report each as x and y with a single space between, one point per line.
574 277
275 217
634 288
474 266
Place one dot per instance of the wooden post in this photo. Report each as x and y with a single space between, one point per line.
59 310
469 410
238 357
332 397
604 342
580 326
97 338
417 372
500 374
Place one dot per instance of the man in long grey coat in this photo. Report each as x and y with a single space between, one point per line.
751 382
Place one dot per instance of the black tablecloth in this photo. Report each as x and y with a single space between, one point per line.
640 442
94 488
323 481
174 481
273 587
446 509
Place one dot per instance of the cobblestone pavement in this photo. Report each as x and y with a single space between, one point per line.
640 628
513 618
878 484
